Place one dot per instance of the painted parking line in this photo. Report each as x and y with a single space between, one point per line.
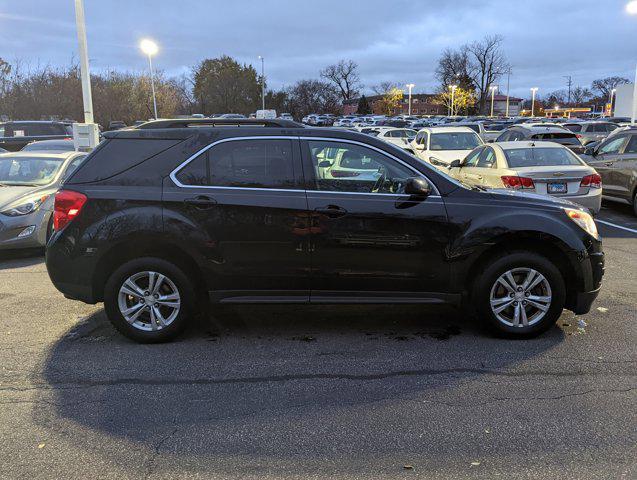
616 226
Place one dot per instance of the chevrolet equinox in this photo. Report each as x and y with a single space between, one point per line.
159 217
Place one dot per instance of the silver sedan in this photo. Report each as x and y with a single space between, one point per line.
545 168
28 182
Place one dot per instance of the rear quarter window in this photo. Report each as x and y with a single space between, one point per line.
117 155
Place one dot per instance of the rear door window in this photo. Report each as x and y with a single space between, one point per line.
259 163
632 145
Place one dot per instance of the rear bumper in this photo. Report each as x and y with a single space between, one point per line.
592 200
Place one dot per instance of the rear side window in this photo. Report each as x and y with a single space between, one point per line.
632 145
34 129
574 128
242 163
563 138
116 155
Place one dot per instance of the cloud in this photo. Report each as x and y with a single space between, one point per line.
398 41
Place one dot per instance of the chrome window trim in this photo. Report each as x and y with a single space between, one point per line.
175 171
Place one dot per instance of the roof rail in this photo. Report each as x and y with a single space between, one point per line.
218 122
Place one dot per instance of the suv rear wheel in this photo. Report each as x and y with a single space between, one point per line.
520 295
149 300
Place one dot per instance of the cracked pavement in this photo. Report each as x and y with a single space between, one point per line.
317 392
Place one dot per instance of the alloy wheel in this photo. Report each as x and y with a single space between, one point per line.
149 301
520 297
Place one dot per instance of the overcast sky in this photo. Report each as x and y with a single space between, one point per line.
392 40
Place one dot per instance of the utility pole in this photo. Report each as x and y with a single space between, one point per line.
508 80
569 82
262 82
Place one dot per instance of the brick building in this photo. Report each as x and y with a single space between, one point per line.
421 104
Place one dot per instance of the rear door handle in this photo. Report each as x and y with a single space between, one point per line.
201 202
332 211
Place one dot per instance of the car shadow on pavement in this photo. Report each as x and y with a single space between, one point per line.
265 379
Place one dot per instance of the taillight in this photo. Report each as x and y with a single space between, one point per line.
68 205
510 181
593 181
344 173
579 136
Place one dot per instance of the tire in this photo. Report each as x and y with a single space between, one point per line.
539 312
149 320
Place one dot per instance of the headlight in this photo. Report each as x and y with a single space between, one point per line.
584 220
23 207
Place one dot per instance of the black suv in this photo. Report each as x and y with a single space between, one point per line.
268 211
538 131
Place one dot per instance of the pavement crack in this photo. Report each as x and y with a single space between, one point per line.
150 465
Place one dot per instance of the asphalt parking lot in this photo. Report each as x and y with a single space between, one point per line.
319 392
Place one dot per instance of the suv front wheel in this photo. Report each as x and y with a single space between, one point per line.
520 295
149 300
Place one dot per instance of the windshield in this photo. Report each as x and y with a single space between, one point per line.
28 170
540 157
454 141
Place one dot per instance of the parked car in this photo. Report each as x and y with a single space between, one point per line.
343 122
545 168
240 214
286 116
441 145
50 146
615 159
537 131
401 137
592 131
28 182
15 135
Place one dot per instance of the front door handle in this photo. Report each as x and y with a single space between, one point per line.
332 211
201 202
479 177
609 164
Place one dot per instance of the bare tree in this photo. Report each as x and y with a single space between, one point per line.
312 96
487 63
605 85
344 75
384 87
453 69
581 95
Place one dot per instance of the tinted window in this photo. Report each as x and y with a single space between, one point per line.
243 163
346 167
454 141
540 157
574 128
563 138
34 129
76 162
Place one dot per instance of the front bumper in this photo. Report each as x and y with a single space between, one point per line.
11 227
592 270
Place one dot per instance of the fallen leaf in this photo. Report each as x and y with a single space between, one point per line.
408 467
41 445
487 431
475 463
602 309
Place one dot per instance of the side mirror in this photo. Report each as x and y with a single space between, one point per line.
417 186
455 164
325 164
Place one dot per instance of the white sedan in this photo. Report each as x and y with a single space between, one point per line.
442 145
401 137
545 168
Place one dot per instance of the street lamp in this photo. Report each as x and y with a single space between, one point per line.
533 92
410 86
631 9
453 97
150 48
262 82
493 89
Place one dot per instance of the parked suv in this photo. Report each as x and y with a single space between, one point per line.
589 132
15 135
161 217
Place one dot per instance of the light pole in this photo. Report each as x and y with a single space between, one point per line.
610 101
453 98
631 9
493 89
533 92
150 48
410 86
87 99
262 82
